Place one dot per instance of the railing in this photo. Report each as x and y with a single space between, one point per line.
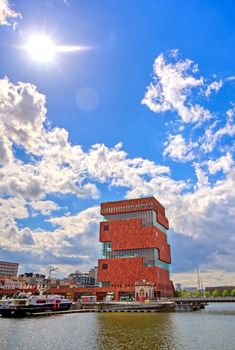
204 299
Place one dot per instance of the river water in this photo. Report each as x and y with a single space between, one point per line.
213 328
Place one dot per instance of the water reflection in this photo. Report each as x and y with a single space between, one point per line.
135 331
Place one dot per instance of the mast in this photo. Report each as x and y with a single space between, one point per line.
198 281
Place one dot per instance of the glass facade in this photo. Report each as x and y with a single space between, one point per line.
148 218
149 255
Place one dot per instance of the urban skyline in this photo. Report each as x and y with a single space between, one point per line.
104 102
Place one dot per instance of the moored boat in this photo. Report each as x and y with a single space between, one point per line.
23 304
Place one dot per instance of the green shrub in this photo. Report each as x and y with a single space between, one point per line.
233 293
215 293
225 293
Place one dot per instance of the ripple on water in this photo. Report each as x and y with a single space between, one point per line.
204 330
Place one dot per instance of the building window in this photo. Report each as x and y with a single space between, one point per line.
106 227
105 284
105 266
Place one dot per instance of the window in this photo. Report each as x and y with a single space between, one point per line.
106 227
105 266
105 284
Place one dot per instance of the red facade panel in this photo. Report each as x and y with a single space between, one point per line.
132 205
130 234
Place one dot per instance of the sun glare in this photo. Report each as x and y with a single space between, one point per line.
41 48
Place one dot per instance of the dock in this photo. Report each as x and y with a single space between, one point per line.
114 307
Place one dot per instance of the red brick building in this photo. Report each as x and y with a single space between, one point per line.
134 246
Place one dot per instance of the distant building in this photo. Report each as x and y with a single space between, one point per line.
94 273
84 279
190 289
8 269
29 279
178 287
10 283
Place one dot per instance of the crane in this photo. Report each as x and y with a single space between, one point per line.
51 269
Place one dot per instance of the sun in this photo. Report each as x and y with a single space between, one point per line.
41 48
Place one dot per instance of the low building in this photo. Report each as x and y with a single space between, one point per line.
8 269
82 279
144 290
30 279
9 283
190 289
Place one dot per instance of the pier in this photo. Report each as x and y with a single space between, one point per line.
124 307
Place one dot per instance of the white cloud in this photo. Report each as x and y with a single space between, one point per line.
215 86
209 277
213 134
12 208
202 178
177 148
171 87
224 163
7 12
175 87
22 114
5 150
44 207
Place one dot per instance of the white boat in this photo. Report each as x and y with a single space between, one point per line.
23 304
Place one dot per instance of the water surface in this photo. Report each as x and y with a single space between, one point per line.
208 329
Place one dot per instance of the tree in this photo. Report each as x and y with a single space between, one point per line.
185 294
225 293
215 293
178 294
233 293
207 294
197 293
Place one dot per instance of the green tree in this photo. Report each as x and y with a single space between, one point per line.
197 293
233 293
215 293
207 294
178 294
225 293
185 294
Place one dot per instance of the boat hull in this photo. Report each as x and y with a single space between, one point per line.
24 311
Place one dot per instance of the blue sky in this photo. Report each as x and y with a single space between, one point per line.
146 107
